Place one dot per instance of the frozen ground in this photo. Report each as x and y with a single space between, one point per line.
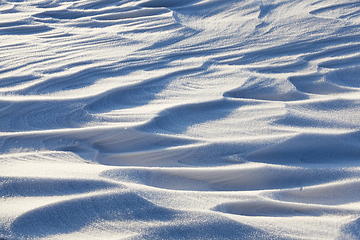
179 119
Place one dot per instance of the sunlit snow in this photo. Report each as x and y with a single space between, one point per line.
179 119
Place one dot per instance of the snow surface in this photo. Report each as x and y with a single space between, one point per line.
179 119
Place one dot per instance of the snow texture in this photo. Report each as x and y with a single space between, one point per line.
179 119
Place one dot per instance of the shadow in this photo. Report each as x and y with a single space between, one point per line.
70 216
312 148
230 179
178 119
278 209
33 187
208 229
138 94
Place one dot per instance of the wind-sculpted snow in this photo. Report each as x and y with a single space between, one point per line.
169 119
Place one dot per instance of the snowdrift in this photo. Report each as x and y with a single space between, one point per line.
169 119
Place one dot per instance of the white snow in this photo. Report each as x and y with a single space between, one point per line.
169 119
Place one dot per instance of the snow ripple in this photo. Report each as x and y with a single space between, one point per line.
169 119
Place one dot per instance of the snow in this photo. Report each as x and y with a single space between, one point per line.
192 119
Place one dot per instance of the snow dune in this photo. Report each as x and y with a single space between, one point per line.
192 119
